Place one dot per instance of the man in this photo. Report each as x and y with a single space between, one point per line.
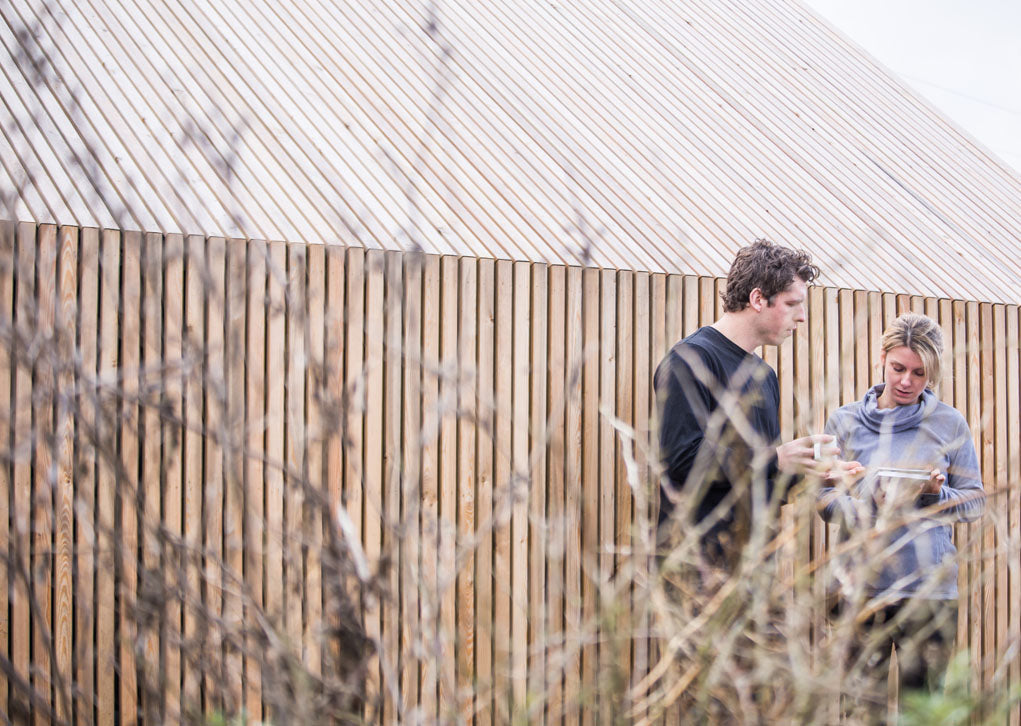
719 403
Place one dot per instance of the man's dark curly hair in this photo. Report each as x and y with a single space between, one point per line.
766 266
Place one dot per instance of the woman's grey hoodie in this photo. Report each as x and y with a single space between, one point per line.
919 558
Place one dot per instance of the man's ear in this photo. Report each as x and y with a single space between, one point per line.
756 300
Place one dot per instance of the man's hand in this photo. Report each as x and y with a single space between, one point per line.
798 456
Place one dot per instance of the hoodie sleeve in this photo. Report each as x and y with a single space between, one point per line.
961 497
834 505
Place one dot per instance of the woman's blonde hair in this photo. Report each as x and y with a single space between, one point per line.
923 336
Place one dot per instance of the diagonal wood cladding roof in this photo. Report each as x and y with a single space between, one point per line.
642 135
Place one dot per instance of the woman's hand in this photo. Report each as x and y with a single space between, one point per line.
843 471
934 484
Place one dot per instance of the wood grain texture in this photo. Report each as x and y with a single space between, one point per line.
467 510
235 590
390 657
65 340
106 482
410 585
538 493
174 557
474 456
86 535
372 538
128 484
215 424
503 491
194 349
254 473
8 262
484 501
150 477
317 437
448 484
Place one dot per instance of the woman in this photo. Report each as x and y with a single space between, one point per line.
909 566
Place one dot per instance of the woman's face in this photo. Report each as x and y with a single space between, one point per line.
904 375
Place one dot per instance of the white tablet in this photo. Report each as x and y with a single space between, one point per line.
894 472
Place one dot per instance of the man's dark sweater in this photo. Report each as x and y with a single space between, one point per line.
696 376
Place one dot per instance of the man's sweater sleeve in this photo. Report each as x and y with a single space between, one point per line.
683 405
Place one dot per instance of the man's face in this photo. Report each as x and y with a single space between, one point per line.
777 320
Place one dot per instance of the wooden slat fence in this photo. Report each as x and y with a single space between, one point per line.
299 481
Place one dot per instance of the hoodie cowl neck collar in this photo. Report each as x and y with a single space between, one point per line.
898 418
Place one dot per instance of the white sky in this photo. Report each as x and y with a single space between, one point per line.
964 56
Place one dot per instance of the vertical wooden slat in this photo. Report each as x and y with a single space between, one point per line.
128 484
466 480
690 306
66 319
7 366
996 342
333 367
85 464
235 588
606 358
706 301
106 485
660 339
255 442
503 663
485 396
316 436
875 333
173 490
1012 423
625 560
43 471
973 409
25 309
393 326
987 454
192 406
556 514
354 387
150 439
538 483
429 446
411 486
846 349
213 479
276 454
860 331
448 485
785 377
824 387
952 321
520 319
573 498
373 532
680 320
294 441
590 544
945 317
7 414
641 536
